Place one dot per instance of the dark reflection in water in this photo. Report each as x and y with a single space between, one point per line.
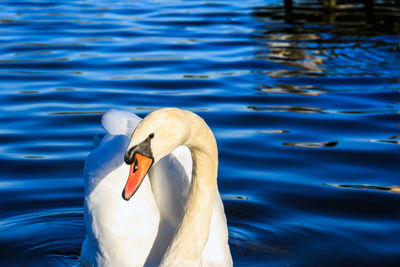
313 144
393 189
298 97
307 90
288 109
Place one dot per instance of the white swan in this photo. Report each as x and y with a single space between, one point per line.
170 219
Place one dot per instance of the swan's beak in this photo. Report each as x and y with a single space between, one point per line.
138 171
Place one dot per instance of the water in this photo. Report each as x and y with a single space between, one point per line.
304 105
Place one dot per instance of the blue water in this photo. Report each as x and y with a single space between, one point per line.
305 106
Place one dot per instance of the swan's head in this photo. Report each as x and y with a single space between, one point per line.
157 135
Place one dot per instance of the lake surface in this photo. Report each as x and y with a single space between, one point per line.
305 106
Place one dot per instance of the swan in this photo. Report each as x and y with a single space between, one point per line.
151 194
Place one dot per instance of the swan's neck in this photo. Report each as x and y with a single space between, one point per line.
191 237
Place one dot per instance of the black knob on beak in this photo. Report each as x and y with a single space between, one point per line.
144 148
129 156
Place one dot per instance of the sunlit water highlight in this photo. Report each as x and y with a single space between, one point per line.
304 105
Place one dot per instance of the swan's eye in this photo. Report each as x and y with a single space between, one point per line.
151 135
135 166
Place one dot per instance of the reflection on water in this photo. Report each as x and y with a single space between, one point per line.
34 157
307 90
291 50
76 113
391 140
312 144
315 41
231 197
288 109
392 188
299 97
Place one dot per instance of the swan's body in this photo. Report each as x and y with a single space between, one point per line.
172 219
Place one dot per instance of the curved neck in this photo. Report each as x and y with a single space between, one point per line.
191 236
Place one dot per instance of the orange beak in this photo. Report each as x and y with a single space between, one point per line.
137 172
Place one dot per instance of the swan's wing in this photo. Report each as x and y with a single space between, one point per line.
182 154
170 181
117 122
109 154
119 232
